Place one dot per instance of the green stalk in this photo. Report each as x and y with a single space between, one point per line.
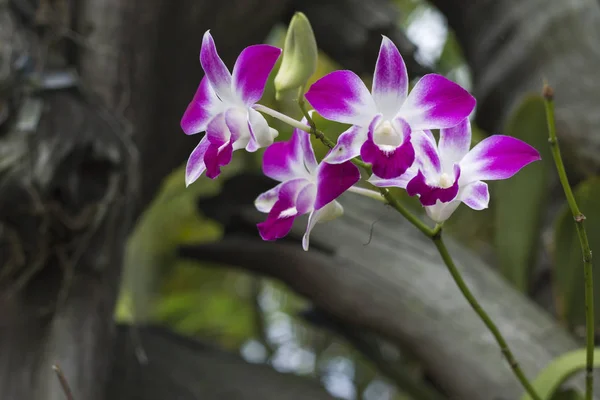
548 94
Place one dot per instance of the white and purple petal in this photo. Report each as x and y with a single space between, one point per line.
343 97
333 180
251 71
261 134
327 213
195 164
204 106
283 213
496 157
390 80
236 120
265 201
348 145
435 103
454 143
400 181
217 73
430 194
216 157
440 212
426 154
284 161
476 195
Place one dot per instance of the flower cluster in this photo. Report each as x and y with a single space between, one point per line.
390 130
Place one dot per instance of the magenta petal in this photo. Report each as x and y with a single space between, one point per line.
429 195
217 131
281 217
454 143
252 69
390 80
435 103
497 157
195 164
392 163
400 181
333 180
203 107
343 97
291 159
216 157
476 195
214 68
348 145
427 155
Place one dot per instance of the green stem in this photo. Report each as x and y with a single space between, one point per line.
510 358
583 240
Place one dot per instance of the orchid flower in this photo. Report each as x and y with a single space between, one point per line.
382 122
222 106
447 173
306 187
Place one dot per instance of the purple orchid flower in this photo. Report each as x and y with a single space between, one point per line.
306 187
222 106
384 120
447 173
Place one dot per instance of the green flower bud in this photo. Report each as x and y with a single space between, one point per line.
300 55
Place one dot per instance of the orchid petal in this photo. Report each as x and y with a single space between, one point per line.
400 181
251 71
195 164
217 131
454 143
393 162
265 201
496 157
284 161
436 102
427 155
440 212
429 195
476 195
333 180
343 97
390 80
261 134
217 156
217 73
236 120
204 106
327 213
348 145
281 217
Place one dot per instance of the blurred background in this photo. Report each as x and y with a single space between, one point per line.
140 288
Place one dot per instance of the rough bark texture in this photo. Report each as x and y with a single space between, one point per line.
512 46
184 369
395 285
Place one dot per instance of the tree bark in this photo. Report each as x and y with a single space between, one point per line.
395 285
512 46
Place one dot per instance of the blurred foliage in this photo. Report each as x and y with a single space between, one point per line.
548 382
522 200
568 265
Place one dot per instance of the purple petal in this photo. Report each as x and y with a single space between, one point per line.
429 195
252 69
281 217
284 161
333 180
400 181
390 80
217 73
475 195
327 213
265 201
217 131
454 143
261 135
203 107
348 145
343 97
195 164
497 157
435 103
215 157
389 162
427 155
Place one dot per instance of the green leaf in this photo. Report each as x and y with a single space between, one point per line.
568 394
568 264
521 201
559 370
